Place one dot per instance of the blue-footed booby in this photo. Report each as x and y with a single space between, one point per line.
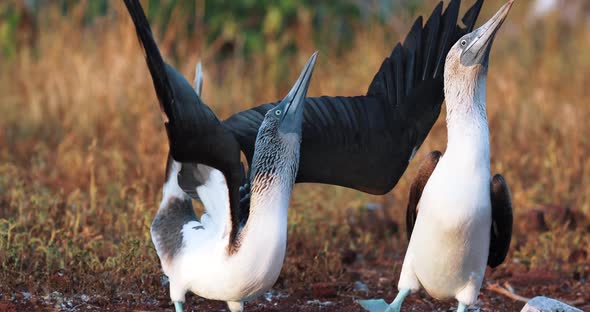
459 219
235 251
366 142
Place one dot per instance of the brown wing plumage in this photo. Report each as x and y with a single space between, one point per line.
501 232
426 168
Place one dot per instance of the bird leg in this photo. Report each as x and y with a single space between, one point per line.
235 306
178 306
396 305
462 307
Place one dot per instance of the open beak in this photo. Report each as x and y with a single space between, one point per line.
479 50
291 106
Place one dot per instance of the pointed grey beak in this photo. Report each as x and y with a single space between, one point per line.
478 52
291 107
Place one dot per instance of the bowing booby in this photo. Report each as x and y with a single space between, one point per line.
235 251
458 218
366 142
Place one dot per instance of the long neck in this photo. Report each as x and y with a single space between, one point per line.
268 206
467 124
274 166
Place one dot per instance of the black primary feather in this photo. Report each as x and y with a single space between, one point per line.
432 34
195 134
366 142
447 39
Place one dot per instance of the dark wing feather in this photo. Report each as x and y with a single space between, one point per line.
431 30
445 42
245 195
426 168
365 142
153 58
470 17
502 219
190 177
412 48
195 134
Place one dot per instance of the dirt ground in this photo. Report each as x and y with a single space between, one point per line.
330 296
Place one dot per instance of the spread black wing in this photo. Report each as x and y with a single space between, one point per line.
366 142
502 218
195 134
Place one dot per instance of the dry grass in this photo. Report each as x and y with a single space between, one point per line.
82 151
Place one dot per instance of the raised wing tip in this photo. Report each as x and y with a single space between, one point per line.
199 70
471 15
453 8
198 82
412 36
154 60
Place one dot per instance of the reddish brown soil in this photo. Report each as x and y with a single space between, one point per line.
329 296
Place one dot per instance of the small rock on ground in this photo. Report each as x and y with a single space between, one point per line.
544 304
360 286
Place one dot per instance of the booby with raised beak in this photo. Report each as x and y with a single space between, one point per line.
234 252
459 219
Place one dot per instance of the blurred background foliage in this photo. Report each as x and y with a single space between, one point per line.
237 26
218 30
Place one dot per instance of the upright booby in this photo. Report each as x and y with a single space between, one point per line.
458 218
366 142
235 252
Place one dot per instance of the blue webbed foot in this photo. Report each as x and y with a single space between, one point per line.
379 305
396 305
374 305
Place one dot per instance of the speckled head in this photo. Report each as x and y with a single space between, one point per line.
471 53
467 61
277 144
289 113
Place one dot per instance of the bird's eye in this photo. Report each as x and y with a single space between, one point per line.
463 42
278 112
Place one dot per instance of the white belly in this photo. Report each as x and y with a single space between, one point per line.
450 241
205 267
209 272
